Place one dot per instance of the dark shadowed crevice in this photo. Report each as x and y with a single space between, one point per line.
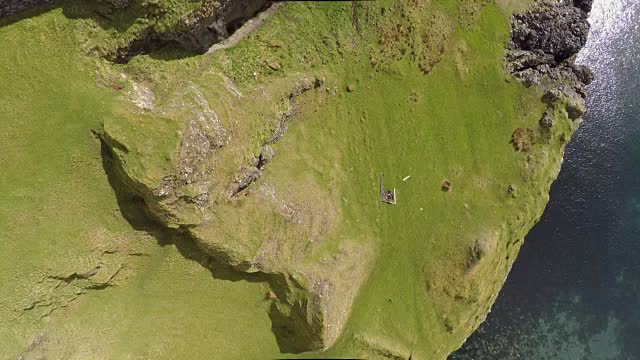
198 31
288 310
135 211
250 174
195 33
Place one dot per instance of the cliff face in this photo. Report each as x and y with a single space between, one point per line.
544 44
196 32
160 23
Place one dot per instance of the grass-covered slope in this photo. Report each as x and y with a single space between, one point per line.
340 93
406 89
76 280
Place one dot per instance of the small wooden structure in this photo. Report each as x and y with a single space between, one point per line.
387 196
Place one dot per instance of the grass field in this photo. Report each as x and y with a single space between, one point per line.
60 216
454 123
409 88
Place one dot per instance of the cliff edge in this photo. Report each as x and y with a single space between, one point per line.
264 159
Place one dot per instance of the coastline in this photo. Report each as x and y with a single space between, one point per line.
326 245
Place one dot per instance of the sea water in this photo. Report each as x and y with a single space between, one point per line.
574 291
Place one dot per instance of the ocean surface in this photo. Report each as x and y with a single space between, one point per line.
574 291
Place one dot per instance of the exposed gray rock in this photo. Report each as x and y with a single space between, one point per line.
12 7
544 43
558 28
546 122
246 176
266 155
520 60
585 5
208 28
197 32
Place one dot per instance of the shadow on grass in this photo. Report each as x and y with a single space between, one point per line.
24 12
285 326
134 18
104 15
142 22
135 211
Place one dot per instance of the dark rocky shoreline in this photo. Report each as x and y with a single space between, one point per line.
542 52
545 41
544 44
585 246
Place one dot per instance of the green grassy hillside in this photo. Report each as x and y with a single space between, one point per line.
408 88
141 296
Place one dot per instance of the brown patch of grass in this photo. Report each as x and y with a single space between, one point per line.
523 139
462 49
416 29
469 12
430 46
446 186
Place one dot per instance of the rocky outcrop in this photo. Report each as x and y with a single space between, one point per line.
545 41
210 24
209 27
205 183
12 7
557 28
542 52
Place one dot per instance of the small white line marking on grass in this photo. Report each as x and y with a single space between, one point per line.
406 178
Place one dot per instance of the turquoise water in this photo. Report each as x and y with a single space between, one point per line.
574 292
